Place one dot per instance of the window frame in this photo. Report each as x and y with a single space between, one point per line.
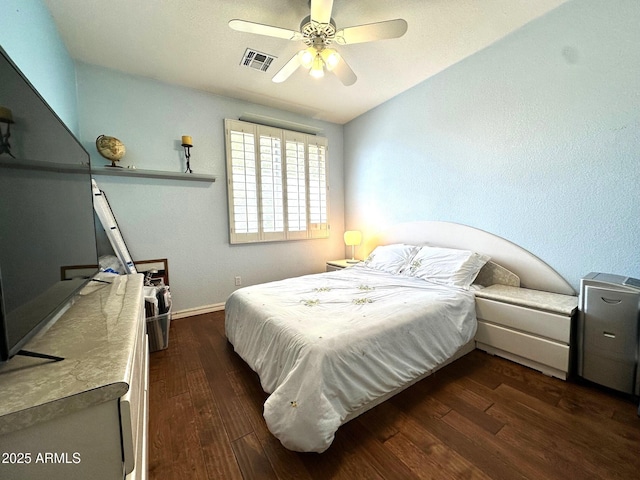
264 172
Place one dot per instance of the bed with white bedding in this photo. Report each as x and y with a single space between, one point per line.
328 346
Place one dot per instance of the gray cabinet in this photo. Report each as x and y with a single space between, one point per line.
608 329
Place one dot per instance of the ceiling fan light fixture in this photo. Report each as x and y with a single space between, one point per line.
330 57
318 31
317 69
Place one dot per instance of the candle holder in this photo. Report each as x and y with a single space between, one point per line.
187 144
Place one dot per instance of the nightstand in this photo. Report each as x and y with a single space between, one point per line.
333 265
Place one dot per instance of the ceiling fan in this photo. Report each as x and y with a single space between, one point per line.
318 31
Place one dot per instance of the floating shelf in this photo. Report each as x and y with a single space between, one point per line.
111 171
136 172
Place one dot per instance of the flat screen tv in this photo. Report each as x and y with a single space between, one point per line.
46 213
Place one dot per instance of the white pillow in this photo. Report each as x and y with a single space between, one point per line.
446 266
391 258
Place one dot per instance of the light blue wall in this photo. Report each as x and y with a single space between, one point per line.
30 37
535 139
187 222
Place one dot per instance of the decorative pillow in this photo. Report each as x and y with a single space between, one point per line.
446 266
493 273
391 258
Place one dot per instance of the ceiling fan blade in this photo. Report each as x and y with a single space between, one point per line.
268 30
343 71
321 10
371 32
289 68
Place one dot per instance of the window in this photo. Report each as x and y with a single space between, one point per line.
277 183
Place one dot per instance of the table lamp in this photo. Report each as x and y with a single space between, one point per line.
352 238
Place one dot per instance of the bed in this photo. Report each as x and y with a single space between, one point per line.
328 347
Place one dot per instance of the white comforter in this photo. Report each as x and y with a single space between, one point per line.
324 345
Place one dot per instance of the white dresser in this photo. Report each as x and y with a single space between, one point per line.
86 416
529 327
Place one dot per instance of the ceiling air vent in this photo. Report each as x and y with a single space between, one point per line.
257 60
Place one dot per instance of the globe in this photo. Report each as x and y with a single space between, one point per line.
110 148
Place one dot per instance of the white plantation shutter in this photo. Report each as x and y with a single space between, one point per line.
318 211
296 176
271 193
243 188
277 183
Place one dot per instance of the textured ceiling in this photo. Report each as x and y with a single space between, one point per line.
189 43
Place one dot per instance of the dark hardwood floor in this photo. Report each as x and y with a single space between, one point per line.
480 417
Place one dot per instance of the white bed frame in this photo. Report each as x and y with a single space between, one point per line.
534 273
530 324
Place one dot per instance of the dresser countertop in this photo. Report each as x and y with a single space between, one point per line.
95 336
552 302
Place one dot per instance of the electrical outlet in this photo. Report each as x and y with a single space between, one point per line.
238 281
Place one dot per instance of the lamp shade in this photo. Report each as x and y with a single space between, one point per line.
307 56
352 237
330 57
317 67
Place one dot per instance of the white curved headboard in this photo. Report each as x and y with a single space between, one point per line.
533 272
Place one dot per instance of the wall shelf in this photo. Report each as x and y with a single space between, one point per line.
136 172
103 170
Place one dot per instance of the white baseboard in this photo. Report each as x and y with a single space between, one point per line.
190 312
